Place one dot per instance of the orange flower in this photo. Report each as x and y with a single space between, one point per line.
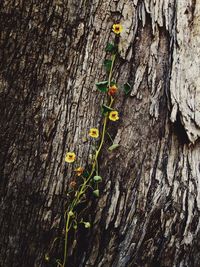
72 184
114 115
112 90
117 28
79 171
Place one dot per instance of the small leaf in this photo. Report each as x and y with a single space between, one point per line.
106 109
107 64
70 213
111 48
85 174
127 88
102 86
46 256
87 224
114 146
75 226
97 178
96 192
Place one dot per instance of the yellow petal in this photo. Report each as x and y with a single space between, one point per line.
114 115
70 157
117 28
94 132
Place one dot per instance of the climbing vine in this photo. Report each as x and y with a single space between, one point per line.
91 178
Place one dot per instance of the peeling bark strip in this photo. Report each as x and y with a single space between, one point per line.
50 58
185 80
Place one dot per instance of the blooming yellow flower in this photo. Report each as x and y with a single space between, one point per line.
79 171
70 157
94 132
114 115
112 90
117 28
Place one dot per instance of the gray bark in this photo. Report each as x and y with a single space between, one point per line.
51 56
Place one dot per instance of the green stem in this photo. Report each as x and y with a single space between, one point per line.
97 168
84 186
111 69
110 137
82 189
66 239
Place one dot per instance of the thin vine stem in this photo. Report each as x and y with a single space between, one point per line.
84 186
110 137
71 218
66 239
111 69
82 191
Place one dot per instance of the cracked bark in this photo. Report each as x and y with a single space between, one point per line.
51 56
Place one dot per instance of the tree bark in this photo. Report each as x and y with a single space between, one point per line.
51 56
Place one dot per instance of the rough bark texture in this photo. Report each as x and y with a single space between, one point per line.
51 55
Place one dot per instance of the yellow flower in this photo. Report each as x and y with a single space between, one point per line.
70 157
94 132
79 171
117 28
114 115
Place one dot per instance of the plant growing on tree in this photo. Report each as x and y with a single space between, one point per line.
91 178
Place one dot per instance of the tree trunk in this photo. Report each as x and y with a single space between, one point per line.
51 57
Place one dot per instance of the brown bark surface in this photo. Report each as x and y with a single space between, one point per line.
51 55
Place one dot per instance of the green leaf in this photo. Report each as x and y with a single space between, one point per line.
46 256
106 109
75 226
96 192
87 224
85 174
70 213
111 48
102 86
114 146
97 178
107 64
127 88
